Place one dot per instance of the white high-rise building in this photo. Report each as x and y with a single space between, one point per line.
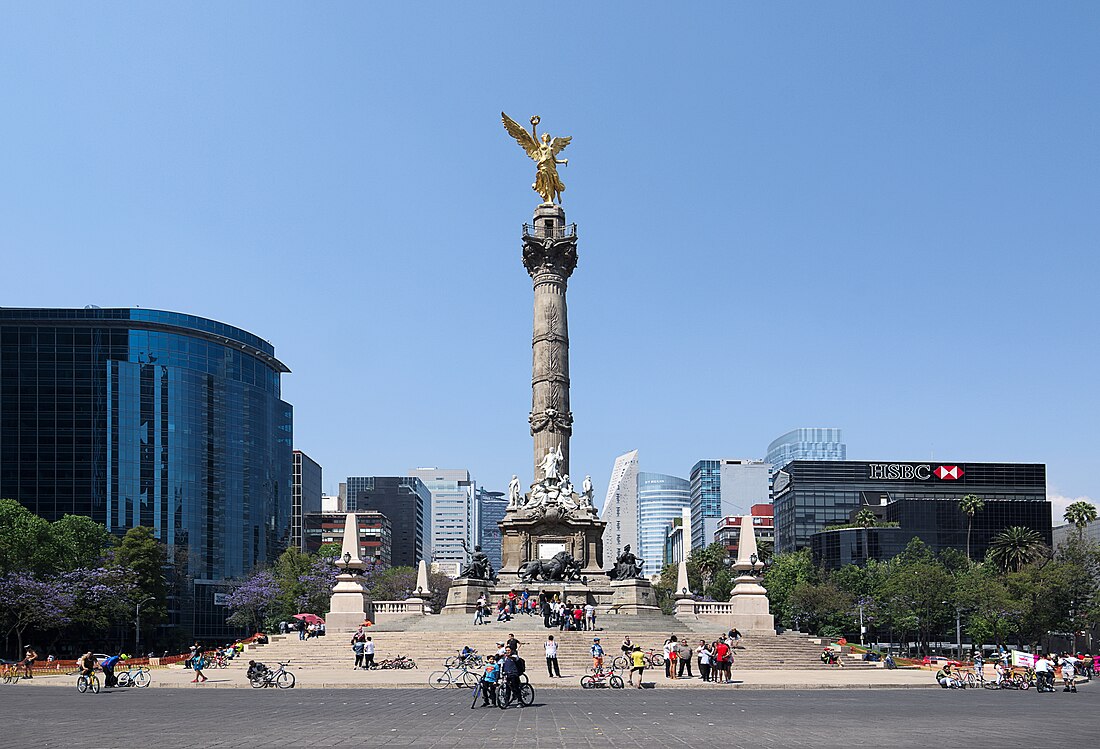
620 508
454 515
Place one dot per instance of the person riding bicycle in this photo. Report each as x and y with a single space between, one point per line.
464 656
1044 674
1000 669
86 664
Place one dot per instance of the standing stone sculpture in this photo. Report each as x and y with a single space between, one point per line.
513 493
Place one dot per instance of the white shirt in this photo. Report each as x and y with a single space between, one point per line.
704 655
551 649
589 610
1069 665
1042 665
368 647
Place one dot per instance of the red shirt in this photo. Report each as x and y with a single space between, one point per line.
721 651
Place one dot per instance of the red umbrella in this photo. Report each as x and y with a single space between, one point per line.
310 618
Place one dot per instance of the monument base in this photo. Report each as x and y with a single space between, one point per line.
463 594
349 606
634 597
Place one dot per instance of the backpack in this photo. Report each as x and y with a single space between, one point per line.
521 666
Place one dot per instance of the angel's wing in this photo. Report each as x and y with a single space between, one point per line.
557 145
522 137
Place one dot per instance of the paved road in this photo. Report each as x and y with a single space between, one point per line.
227 719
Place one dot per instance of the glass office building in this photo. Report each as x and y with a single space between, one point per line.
813 443
490 511
453 517
705 486
144 417
305 496
406 502
724 488
922 497
661 500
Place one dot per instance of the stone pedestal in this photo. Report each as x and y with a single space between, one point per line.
462 596
529 535
749 607
634 597
350 605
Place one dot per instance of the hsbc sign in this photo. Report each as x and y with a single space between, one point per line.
913 472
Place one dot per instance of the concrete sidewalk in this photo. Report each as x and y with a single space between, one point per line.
314 678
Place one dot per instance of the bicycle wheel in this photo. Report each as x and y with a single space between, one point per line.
408 663
656 660
477 693
526 695
969 681
93 684
587 682
258 682
617 682
141 679
468 680
504 696
1022 682
82 684
450 662
439 680
124 679
285 680
619 663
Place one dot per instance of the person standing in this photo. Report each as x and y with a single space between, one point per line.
669 649
301 630
552 667
637 665
578 618
1069 673
28 662
357 647
544 609
704 655
479 612
368 653
489 681
684 653
721 654
597 655
512 643
590 616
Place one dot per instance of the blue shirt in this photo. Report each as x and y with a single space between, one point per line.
109 662
492 673
509 667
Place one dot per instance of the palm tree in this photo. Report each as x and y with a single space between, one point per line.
866 518
1080 514
1016 547
971 504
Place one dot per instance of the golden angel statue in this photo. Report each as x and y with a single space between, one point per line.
543 151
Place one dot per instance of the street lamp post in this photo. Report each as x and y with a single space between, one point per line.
137 625
958 633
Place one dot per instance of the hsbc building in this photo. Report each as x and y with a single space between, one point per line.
922 498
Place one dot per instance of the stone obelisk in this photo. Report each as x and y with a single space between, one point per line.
550 255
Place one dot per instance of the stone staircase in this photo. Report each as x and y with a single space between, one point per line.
428 640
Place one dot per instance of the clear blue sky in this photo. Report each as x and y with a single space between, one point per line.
878 216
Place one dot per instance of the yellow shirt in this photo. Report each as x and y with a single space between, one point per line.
638 659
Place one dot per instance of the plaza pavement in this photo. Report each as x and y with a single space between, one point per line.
328 678
759 719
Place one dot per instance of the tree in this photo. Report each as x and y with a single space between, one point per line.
1015 547
26 541
1080 514
708 561
146 559
781 577
33 603
916 591
251 599
866 518
971 504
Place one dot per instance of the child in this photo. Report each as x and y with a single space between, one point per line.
489 682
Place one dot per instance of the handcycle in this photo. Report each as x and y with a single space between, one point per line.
11 672
134 677
401 661
280 678
458 676
1010 681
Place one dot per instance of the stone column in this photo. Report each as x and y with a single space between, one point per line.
550 255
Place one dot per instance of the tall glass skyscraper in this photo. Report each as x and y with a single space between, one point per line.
661 499
144 417
724 488
490 511
812 443
306 496
406 502
453 516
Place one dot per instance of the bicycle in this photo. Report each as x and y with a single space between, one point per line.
472 660
601 678
135 678
401 661
480 687
11 672
280 678
87 683
525 695
652 658
444 679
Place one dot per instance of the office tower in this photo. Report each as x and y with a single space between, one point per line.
721 488
375 534
620 508
305 495
143 417
806 444
490 512
661 499
453 516
406 502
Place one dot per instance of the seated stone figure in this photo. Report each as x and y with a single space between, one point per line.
479 567
627 566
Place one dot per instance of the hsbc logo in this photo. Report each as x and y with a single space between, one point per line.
949 473
899 471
